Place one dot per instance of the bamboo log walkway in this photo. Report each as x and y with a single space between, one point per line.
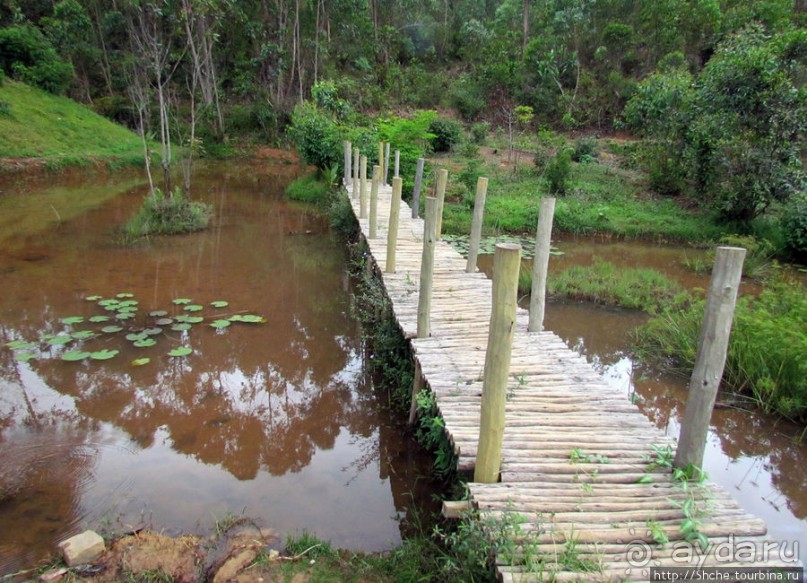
574 461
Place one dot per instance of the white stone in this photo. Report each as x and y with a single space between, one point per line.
82 548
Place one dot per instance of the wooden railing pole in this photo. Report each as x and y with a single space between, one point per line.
392 231
540 265
506 263
374 201
363 189
381 156
427 269
397 164
442 182
417 386
476 225
416 190
356 158
715 330
386 163
346 174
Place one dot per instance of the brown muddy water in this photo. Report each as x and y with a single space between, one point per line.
756 458
275 421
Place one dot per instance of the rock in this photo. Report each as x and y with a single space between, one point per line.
82 548
232 566
53 575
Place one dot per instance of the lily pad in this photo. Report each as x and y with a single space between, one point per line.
19 345
220 323
180 301
124 309
98 319
111 329
93 298
104 354
158 313
135 337
153 331
248 318
124 316
128 303
24 356
164 322
193 308
182 318
181 351
145 342
75 355
194 319
140 361
73 320
181 327
220 304
124 295
109 302
59 340
83 334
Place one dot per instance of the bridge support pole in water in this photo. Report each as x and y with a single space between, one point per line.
540 264
711 360
506 263
476 225
392 230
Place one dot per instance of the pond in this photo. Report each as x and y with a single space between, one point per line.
277 421
757 459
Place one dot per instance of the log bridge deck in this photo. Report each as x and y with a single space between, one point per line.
574 460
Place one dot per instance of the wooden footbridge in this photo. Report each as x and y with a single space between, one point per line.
576 487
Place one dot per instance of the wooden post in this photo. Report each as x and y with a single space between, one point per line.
416 190
363 189
346 169
392 231
374 201
715 330
397 164
386 163
356 158
506 263
427 270
476 225
417 386
381 156
540 265
442 182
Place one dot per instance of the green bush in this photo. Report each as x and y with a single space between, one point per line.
794 224
558 171
585 149
479 132
447 134
467 98
316 135
168 215
27 55
308 188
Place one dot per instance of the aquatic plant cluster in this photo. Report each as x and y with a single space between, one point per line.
123 321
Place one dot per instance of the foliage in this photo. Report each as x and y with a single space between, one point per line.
410 136
447 134
585 150
309 188
479 131
558 171
165 215
605 283
26 55
794 225
431 433
766 349
316 135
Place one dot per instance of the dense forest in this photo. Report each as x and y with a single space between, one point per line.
715 86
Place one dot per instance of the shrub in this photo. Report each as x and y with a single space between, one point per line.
316 136
558 171
27 55
794 224
585 149
166 215
479 132
467 98
447 134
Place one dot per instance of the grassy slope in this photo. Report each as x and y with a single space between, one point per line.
35 124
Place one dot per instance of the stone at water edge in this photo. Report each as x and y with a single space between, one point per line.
82 548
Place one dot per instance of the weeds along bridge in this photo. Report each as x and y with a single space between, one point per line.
577 497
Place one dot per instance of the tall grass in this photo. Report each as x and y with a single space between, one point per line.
767 356
605 283
166 215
